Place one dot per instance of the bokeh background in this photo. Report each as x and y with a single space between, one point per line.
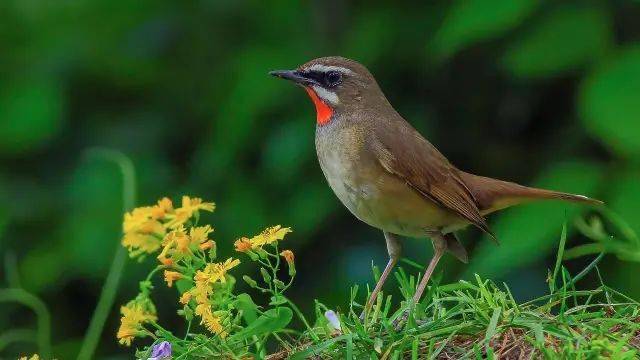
540 92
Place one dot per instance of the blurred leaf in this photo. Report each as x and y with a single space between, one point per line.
252 91
31 113
470 21
310 204
564 39
530 232
287 149
625 197
42 269
609 102
272 320
371 34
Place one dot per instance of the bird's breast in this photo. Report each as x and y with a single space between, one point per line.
373 195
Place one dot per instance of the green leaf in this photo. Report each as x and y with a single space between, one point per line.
470 21
318 348
530 232
249 309
567 38
277 300
272 320
30 113
609 105
183 285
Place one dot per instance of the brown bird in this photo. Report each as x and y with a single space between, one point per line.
391 177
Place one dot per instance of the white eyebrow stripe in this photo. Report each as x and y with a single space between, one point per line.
325 68
325 94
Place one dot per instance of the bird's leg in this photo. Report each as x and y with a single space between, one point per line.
394 248
439 247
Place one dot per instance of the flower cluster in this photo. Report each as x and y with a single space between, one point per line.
268 236
135 314
187 259
148 228
32 357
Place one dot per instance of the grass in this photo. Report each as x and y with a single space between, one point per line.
481 319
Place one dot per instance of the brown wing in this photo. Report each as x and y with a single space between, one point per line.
403 152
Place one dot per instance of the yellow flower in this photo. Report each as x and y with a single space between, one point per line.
185 298
270 235
189 207
212 322
207 245
180 238
133 219
134 315
171 276
138 243
200 234
164 207
216 272
33 357
142 230
243 245
195 204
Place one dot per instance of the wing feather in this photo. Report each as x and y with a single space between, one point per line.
426 170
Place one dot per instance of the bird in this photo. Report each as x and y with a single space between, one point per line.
389 176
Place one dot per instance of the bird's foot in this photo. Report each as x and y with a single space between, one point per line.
401 320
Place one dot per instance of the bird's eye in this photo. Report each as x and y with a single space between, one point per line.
333 78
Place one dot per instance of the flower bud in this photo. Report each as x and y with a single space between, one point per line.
289 258
265 275
249 281
279 284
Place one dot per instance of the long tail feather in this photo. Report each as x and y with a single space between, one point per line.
492 194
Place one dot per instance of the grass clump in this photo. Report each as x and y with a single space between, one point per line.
481 319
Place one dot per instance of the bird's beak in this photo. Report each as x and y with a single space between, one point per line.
293 75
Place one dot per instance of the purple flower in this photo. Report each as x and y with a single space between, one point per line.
161 351
333 319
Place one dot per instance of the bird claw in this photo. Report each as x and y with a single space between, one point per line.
400 321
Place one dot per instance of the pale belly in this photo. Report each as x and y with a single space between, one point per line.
381 199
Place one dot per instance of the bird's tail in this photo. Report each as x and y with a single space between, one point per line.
493 195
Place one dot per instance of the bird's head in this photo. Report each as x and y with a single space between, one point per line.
335 84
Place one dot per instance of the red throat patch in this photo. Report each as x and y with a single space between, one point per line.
323 111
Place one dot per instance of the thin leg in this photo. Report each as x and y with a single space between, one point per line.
394 248
439 247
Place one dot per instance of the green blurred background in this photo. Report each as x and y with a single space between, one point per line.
541 92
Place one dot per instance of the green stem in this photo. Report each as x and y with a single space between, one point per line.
301 316
43 337
16 335
582 250
108 294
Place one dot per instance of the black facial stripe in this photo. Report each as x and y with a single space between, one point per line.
315 75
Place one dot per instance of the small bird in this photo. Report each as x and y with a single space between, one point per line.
388 175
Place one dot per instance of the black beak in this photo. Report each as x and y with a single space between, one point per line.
293 75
